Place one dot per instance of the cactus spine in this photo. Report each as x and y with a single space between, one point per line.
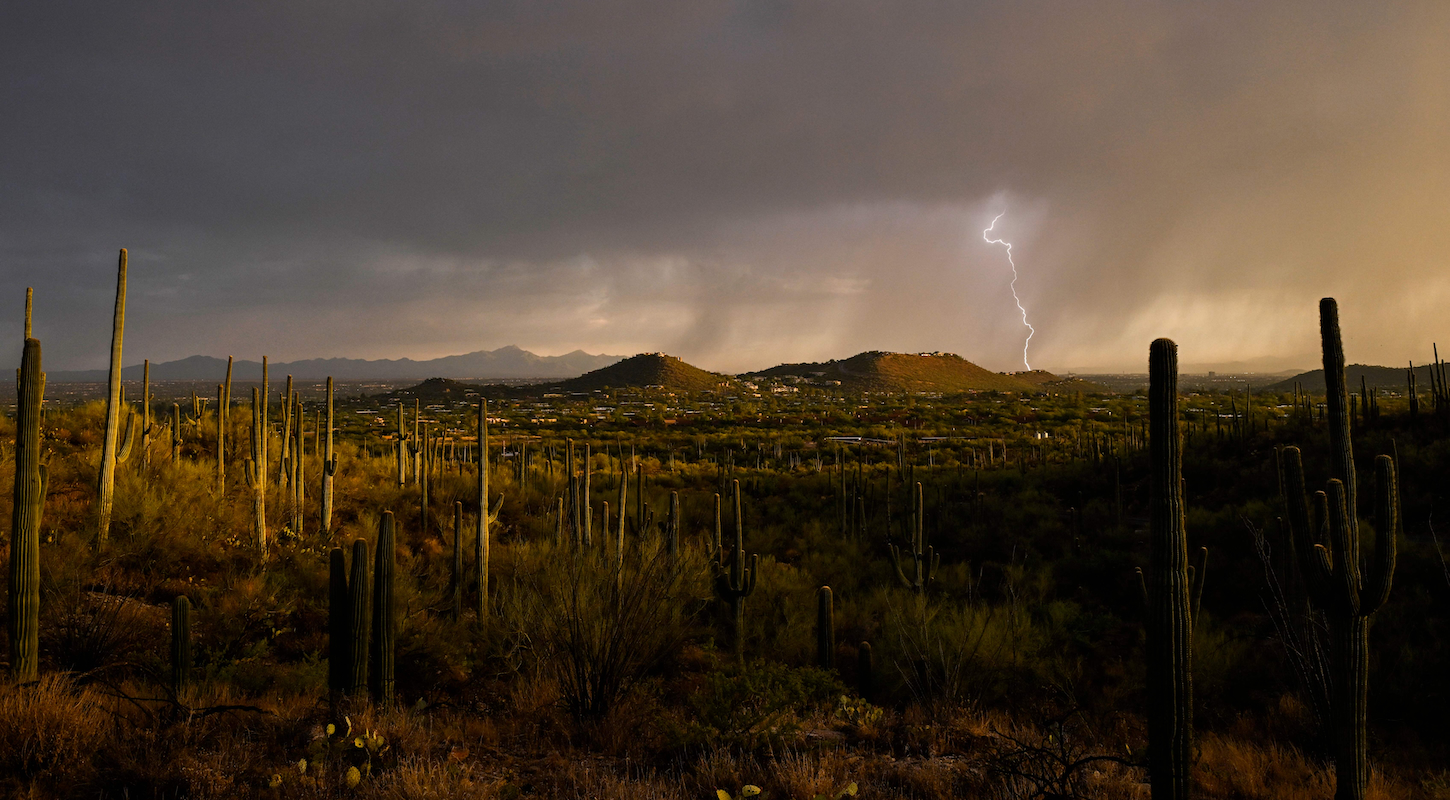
23 603
358 620
825 628
107 482
1332 572
339 626
381 680
329 465
1169 622
923 557
736 582
180 643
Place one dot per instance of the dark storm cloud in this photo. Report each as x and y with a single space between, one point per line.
738 183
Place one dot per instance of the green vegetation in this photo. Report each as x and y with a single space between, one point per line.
937 597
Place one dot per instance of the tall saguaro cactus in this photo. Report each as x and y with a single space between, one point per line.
339 624
23 603
381 680
255 471
735 582
825 628
358 620
1169 622
485 517
107 482
329 464
1336 580
925 560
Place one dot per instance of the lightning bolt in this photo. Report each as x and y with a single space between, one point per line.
1030 330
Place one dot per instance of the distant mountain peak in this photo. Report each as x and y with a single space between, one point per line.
508 362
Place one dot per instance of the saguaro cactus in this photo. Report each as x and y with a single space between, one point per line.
359 621
735 582
255 470
339 625
381 680
1169 623
23 602
329 464
180 643
825 628
1333 572
925 560
107 482
672 525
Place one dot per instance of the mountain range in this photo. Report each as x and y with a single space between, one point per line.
504 363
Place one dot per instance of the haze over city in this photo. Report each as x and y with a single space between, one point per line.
736 184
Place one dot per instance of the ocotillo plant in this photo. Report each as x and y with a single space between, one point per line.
1169 623
145 413
175 433
735 582
455 581
380 679
221 436
925 560
255 470
226 403
23 602
329 464
283 454
107 481
339 626
298 462
825 629
485 516
424 478
359 620
180 643
1332 572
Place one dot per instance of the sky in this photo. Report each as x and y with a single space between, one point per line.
736 183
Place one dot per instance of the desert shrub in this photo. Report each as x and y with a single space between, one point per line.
761 702
598 630
50 728
948 653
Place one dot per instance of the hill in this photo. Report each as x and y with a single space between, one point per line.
503 363
877 371
1393 378
1047 382
438 391
649 369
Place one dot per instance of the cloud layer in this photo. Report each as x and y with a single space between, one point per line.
736 183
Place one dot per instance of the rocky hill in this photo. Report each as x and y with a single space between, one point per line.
649 369
1393 378
878 371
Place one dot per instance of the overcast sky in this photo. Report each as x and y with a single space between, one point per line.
738 184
